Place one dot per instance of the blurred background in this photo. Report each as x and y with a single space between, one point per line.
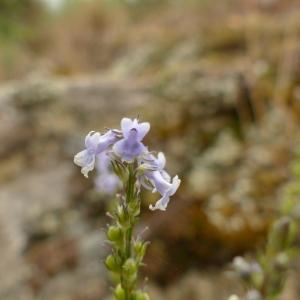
219 81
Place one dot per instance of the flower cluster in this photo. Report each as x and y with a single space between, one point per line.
125 146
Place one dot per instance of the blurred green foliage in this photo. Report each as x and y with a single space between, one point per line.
16 17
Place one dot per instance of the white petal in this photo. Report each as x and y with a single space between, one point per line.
161 160
175 185
92 140
81 158
126 125
86 169
86 161
143 129
161 204
165 175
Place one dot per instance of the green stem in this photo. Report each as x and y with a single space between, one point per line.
130 188
128 242
128 253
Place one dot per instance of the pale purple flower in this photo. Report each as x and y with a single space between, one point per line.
157 163
131 146
160 180
103 162
95 143
127 145
165 188
106 181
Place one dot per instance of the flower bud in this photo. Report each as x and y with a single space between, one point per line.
121 215
119 293
134 208
130 271
139 295
140 249
114 233
118 168
112 263
130 266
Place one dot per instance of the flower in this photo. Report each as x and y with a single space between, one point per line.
160 180
159 163
106 181
165 188
127 145
95 143
130 146
103 162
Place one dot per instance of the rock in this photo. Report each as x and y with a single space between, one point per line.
195 285
206 176
74 286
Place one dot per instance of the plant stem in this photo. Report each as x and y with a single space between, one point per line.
130 192
127 252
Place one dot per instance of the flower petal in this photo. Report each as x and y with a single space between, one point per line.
92 140
105 141
175 185
86 161
161 160
128 150
126 125
107 182
82 158
160 184
89 167
165 175
163 202
143 129
102 162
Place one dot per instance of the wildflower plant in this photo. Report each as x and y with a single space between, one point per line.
124 162
265 275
